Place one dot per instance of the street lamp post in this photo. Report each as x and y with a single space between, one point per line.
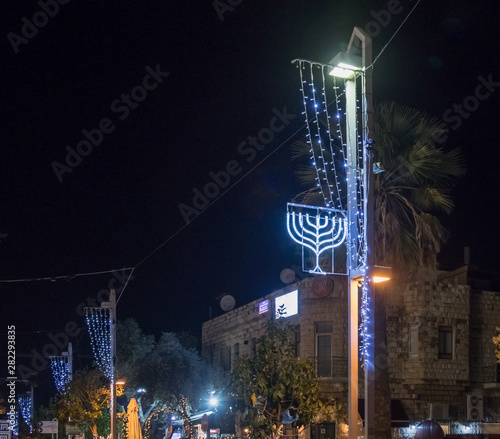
346 67
111 305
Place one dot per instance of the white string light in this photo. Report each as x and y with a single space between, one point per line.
99 325
60 371
354 189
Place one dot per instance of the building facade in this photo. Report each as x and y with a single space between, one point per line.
441 358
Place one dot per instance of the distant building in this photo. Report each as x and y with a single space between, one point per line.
442 361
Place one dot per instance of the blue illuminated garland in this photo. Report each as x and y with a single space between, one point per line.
366 335
99 325
60 371
25 403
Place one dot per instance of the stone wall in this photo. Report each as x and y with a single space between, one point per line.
418 379
422 378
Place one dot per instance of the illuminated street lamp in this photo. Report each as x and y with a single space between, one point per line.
347 65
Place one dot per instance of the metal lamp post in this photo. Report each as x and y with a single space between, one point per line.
111 305
346 66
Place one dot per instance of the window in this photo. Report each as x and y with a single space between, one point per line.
445 342
413 341
225 359
324 348
297 340
236 351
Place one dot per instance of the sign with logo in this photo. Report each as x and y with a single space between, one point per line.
263 306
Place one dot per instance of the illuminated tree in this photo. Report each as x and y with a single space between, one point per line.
158 373
85 403
496 342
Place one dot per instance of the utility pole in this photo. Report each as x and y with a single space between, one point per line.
70 361
111 305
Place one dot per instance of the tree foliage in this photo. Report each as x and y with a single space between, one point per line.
276 381
85 402
496 342
165 369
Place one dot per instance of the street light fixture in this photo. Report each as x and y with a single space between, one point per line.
345 65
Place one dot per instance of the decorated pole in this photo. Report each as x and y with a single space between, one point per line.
352 254
112 325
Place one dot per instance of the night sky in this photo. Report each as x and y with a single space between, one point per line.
166 92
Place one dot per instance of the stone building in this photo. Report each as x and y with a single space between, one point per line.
442 362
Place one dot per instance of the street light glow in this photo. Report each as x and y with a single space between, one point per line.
381 274
378 279
345 65
341 72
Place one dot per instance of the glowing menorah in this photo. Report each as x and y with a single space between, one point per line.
320 232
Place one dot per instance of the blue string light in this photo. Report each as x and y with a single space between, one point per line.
99 325
25 404
60 372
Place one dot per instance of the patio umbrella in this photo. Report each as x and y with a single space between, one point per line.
134 428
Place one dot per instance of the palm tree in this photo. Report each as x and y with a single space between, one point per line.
416 183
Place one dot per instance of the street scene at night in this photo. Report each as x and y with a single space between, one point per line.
227 219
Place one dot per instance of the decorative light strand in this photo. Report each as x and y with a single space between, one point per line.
99 325
60 371
324 163
25 406
309 136
330 143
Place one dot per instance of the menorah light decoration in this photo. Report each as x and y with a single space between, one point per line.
320 230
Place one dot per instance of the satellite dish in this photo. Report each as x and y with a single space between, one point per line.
227 303
322 286
287 276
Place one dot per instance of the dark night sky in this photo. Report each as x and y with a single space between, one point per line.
224 80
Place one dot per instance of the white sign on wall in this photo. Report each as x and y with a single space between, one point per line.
47 427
